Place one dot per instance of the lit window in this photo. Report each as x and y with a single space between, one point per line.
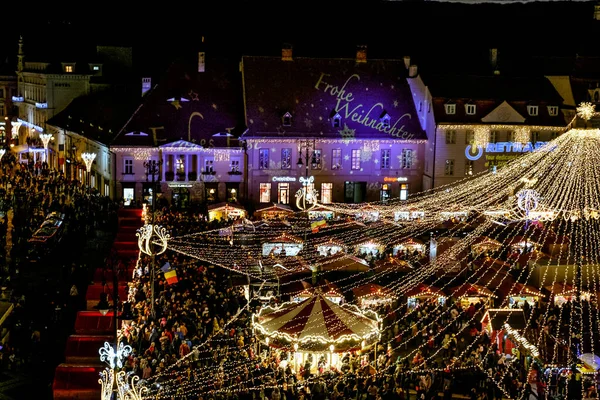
265 192
493 136
180 164
286 158
68 68
337 121
316 161
209 165
336 158
263 159
451 137
283 193
326 192
96 67
553 111
385 159
385 120
468 167
128 169
532 110
407 158
449 168
355 159
287 119
469 137
403 191
470 109
450 108
511 136
384 195
235 165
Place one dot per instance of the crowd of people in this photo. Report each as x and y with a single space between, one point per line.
197 343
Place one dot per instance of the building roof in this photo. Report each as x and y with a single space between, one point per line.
98 116
190 105
489 92
497 317
312 90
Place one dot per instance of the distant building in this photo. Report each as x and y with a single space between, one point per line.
8 89
350 123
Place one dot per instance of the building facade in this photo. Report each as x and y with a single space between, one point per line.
188 123
350 124
483 122
8 89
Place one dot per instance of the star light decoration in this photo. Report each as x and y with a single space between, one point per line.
347 134
586 111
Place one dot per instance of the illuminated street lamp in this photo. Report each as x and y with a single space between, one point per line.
88 159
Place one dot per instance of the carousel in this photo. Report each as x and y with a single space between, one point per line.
316 328
424 293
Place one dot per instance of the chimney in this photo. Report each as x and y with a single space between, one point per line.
361 54
146 85
413 71
407 61
286 52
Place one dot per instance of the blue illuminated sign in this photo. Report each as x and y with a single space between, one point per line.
502 147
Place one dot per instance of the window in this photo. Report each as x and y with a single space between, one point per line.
336 158
385 159
283 193
68 68
287 119
385 193
449 168
128 168
235 164
535 137
180 164
407 158
493 136
326 193
511 136
265 192
337 121
403 191
385 119
468 167
553 135
355 159
209 165
470 109
451 137
420 106
450 108
532 110
317 158
469 137
96 68
286 158
106 189
1 93
552 110
263 159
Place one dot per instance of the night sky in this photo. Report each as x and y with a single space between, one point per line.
436 30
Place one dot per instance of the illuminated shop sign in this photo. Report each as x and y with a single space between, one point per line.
284 179
395 179
502 147
180 185
41 105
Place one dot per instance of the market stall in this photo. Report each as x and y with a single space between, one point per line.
409 247
225 211
424 293
494 321
369 248
274 211
485 245
321 213
468 293
330 247
521 293
283 245
372 295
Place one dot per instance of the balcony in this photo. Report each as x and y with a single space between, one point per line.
209 172
235 172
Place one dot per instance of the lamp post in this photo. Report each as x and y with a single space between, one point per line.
306 197
149 231
88 159
45 137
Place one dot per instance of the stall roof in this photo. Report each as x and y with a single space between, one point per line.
343 263
372 289
469 289
497 317
425 290
223 205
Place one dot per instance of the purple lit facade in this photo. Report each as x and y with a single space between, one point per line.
351 122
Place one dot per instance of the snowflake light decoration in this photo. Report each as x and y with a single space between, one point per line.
145 242
112 357
586 110
347 134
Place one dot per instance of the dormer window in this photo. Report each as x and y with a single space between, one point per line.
385 119
553 111
470 109
336 121
287 119
532 110
450 109
68 68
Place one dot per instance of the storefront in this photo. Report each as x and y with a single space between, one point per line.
232 190
128 194
355 192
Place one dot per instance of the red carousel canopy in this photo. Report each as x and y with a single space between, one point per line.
315 324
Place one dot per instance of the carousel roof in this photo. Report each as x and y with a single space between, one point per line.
317 323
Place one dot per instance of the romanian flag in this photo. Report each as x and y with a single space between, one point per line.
171 277
316 225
